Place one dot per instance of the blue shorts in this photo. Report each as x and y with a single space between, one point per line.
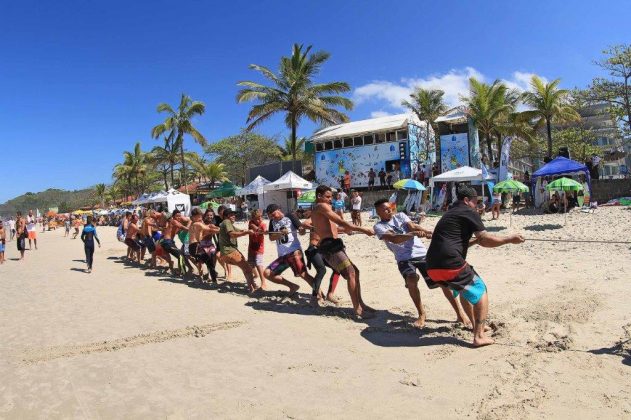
473 291
1 247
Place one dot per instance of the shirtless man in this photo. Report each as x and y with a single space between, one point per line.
20 229
325 221
146 231
315 258
130 238
173 225
198 230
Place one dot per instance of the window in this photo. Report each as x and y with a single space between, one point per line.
357 141
391 136
337 144
348 142
380 138
402 134
368 139
319 147
328 145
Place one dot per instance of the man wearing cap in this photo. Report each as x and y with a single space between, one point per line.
447 253
284 231
228 247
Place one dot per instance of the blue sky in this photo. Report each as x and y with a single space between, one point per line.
80 81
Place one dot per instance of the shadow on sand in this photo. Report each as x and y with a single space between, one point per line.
617 349
399 332
541 228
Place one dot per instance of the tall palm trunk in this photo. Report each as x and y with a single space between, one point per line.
181 135
549 129
293 143
489 146
172 169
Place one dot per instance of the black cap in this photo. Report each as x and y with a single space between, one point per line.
228 212
465 191
272 208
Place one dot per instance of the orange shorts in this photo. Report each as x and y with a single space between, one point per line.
234 258
32 234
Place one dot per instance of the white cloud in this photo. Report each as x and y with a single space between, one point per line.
377 114
454 83
521 80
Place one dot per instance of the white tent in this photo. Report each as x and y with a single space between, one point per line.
462 174
173 198
289 181
276 192
254 187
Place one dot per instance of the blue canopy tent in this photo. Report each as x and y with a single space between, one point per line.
561 166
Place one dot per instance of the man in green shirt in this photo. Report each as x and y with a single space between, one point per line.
230 253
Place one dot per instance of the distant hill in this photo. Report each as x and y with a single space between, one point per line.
64 200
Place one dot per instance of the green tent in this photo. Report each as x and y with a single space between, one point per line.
209 204
227 189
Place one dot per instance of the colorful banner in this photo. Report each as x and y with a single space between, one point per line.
505 159
454 151
332 164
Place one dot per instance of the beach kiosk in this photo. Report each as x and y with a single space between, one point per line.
395 142
282 191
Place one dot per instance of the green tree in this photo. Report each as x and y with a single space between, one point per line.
244 150
165 157
101 190
214 172
288 152
616 91
180 122
490 107
294 93
428 105
196 164
549 106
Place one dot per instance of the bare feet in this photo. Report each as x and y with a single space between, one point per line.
263 286
367 308
316 301
293 289
361 314
333 299
466 323
482 341
420 322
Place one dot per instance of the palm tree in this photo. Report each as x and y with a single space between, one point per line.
428 105
489 106
550 105
100 193
288 152
133 167
165 157
214 172
196 163
180 122
294 93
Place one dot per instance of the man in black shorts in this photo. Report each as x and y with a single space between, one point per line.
447 253
402 237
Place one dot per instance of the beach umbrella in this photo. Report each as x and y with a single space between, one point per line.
307 197
408 184
564 184
510 186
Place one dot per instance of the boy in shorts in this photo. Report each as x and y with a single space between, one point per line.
3 240
284 231
256 246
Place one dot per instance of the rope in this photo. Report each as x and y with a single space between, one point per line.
579 240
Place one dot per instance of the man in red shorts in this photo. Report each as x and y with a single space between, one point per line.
284 230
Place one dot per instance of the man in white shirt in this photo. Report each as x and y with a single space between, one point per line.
356 208
12 227
284 231
402 237
30 228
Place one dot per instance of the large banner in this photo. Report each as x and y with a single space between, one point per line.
505 159
454 151
332 164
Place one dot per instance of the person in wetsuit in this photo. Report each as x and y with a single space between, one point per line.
88 236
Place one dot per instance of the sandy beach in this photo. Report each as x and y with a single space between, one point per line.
129 343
